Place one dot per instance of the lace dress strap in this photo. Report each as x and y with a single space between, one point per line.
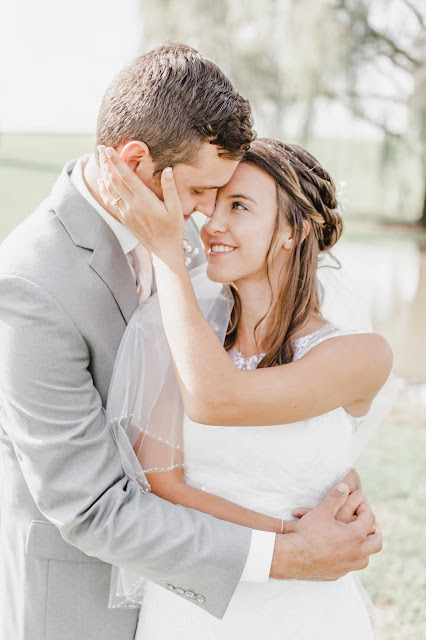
305 343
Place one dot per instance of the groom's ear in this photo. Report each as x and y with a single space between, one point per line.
137 156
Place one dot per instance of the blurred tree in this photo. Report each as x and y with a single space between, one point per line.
393 53
273 51
292 58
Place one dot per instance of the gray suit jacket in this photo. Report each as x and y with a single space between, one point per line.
67 509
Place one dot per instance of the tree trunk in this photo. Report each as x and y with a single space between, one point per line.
422 220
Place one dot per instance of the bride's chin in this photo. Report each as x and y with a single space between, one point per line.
217 275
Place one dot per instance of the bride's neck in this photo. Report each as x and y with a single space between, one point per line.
256 298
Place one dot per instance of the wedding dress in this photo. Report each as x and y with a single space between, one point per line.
272 470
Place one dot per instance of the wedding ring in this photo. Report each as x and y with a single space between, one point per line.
114 202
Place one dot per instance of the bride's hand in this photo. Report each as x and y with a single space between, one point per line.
348 513
158 225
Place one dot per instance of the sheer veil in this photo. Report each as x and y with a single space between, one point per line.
144 408
342 304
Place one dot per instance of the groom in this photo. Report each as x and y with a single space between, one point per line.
71 276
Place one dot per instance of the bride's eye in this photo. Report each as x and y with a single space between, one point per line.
239 205
198 193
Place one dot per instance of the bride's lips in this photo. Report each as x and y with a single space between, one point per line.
220 249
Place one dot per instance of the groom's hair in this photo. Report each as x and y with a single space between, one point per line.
173 99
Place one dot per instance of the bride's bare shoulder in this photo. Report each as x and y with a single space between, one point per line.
366 354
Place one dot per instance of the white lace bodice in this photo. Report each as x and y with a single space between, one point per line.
272 469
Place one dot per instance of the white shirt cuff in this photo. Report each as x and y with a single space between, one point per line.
259 559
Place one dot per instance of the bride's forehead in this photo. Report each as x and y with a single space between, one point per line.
250 178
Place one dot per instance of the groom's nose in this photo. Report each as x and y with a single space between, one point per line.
207 203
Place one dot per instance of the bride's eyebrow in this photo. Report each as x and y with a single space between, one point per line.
241 195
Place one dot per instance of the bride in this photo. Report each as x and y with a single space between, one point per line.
269 420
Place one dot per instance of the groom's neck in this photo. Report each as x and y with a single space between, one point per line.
91 175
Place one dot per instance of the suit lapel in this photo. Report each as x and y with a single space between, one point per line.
110 263
88 230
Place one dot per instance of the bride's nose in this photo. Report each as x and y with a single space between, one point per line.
217 223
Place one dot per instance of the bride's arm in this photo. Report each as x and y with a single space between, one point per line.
170 486
336 373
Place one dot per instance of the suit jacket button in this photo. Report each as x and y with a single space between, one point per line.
180 591
170 587
190 595
200 599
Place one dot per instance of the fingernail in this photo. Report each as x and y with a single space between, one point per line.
109 151
342 487
169 173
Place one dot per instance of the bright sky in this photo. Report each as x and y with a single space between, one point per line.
57 59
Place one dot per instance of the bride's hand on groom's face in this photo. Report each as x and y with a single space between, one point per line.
158 224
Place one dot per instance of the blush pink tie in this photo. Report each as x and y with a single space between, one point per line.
142 266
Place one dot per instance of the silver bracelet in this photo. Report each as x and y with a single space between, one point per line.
282 525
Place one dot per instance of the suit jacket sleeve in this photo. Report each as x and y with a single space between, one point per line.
55 419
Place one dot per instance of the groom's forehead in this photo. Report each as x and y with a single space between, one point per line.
212 179
210 170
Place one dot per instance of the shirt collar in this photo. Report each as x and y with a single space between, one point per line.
128 241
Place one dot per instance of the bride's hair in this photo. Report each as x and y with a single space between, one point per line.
305 192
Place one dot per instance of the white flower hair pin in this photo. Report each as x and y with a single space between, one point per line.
341 196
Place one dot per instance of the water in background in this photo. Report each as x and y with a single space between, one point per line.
390 276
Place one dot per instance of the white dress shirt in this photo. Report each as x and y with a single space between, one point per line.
259 559
136 254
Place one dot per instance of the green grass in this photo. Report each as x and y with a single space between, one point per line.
30 164
29 167
392 470
375 188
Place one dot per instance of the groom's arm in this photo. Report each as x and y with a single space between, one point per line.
54 417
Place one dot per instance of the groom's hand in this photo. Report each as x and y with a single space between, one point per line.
321 547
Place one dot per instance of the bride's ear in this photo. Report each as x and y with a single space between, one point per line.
288 235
